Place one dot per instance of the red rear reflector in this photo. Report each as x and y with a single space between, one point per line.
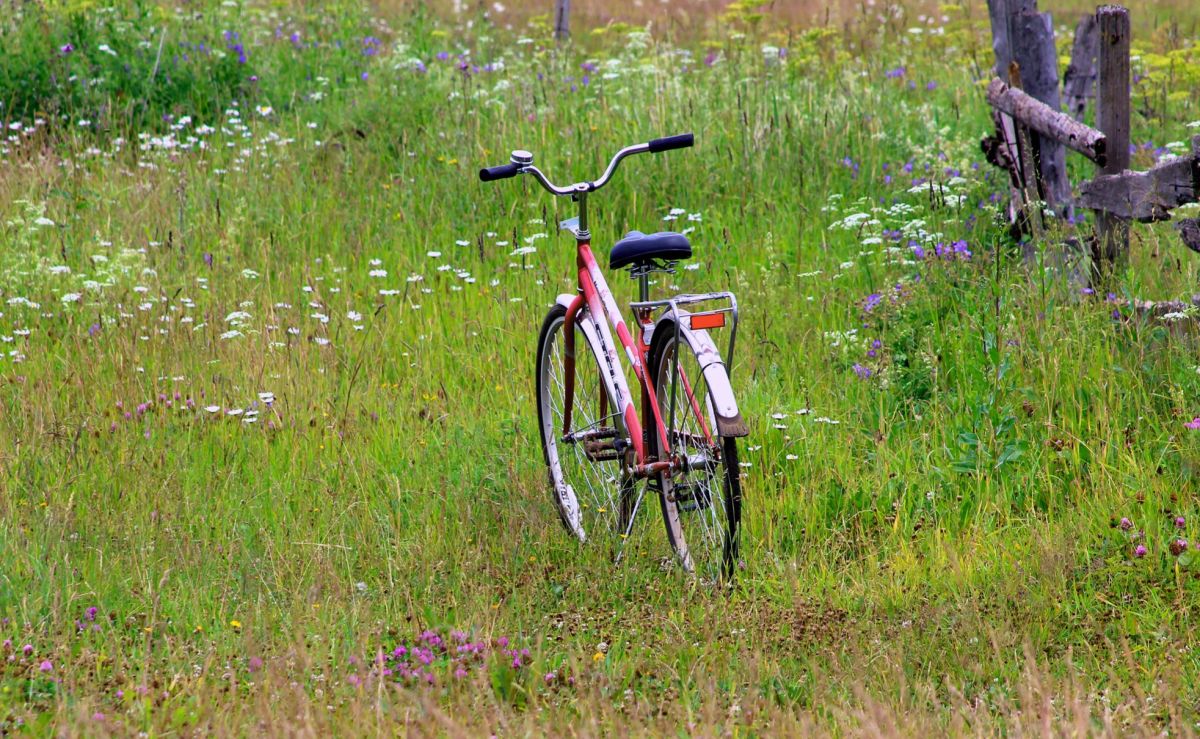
707 320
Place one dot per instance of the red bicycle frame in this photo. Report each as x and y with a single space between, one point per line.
594 293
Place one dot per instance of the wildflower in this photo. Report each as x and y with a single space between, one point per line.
1180 522
66 49
1139 551
27 649
598 657
1126 524
1193 424
862 371
1178 547
255 664
46 666
237 625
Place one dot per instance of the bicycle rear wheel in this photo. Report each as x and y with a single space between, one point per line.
587 458
701 501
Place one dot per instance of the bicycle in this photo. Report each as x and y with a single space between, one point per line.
595 445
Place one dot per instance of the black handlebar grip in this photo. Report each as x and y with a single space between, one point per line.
504 171
681 141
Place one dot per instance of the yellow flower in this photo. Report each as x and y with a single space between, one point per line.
198 630
235 624
598 657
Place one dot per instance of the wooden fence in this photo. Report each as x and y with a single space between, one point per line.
1033 134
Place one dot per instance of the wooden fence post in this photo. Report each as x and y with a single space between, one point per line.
1112 118
1023 35
1079 81
562 12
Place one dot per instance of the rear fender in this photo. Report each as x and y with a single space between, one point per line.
729 418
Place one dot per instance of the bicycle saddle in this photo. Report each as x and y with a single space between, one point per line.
639 247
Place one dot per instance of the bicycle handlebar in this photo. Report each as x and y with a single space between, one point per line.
504 171
522 162
681 141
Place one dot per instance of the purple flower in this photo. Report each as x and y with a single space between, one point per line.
27 649
255 664
1126 524
46 666
931 86
1139 551
1180 522
862 372
208 259
1178 547
1193 424
66 49
872 302
97 716
364 76
897 73
710 58
93 329
90 614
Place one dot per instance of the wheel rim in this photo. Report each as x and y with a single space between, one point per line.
588 487
698 505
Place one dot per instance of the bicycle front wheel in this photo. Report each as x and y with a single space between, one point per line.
701 500
588 454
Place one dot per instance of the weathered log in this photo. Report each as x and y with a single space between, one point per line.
1079 81
1189 231
1146 196
1112 117
1047 121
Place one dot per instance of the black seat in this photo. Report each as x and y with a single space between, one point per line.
639 247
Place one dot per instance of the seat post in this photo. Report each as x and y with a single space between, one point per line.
644 286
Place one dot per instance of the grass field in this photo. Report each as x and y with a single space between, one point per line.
269 459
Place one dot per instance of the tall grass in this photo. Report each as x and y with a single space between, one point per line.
267 399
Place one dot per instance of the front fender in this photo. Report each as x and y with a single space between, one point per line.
725 407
